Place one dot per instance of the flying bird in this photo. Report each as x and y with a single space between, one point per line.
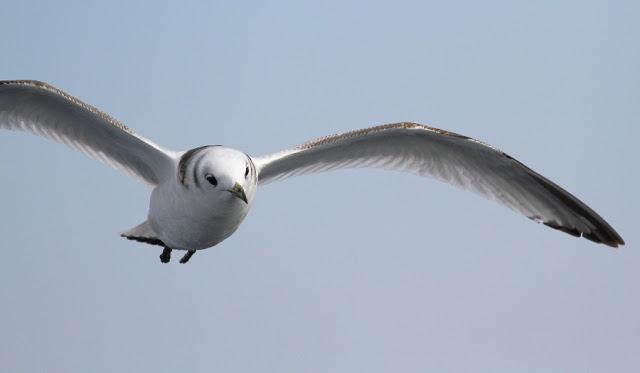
200 196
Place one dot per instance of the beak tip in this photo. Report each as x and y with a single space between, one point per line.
238 191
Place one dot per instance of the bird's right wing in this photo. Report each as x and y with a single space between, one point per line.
42 109
449 157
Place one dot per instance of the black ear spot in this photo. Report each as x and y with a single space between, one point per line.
246 172
211 179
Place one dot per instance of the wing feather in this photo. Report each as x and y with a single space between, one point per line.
39 108
450 157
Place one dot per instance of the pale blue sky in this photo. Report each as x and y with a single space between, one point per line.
352 271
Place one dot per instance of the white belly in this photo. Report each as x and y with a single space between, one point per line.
187 221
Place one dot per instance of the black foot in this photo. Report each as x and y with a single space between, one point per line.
165 257
187 256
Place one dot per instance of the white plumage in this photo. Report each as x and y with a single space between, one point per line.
188 210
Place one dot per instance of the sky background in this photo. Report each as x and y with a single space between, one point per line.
351 271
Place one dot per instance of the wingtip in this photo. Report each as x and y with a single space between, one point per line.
607 237
603 235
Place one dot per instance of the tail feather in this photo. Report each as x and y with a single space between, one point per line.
143 233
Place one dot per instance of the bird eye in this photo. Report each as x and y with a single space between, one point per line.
211 179
246 172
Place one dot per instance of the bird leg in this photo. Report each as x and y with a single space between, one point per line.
165 257
187 256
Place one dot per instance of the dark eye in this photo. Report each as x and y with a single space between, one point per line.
246 172
211 179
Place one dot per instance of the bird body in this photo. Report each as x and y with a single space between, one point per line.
186 215
201 196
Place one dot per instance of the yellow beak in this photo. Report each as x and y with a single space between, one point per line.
238 191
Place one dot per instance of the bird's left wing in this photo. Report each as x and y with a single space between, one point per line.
449 157
40 108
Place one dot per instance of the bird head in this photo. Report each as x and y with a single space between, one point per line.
223 173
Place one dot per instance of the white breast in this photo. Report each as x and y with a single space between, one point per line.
186 219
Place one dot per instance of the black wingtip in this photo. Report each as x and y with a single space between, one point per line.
603 235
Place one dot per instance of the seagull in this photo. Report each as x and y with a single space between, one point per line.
201 196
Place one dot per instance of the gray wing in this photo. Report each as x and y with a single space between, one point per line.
44 110
449 157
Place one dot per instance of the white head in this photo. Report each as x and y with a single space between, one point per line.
223 174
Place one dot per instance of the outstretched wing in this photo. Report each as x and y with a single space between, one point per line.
40 108
449 157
